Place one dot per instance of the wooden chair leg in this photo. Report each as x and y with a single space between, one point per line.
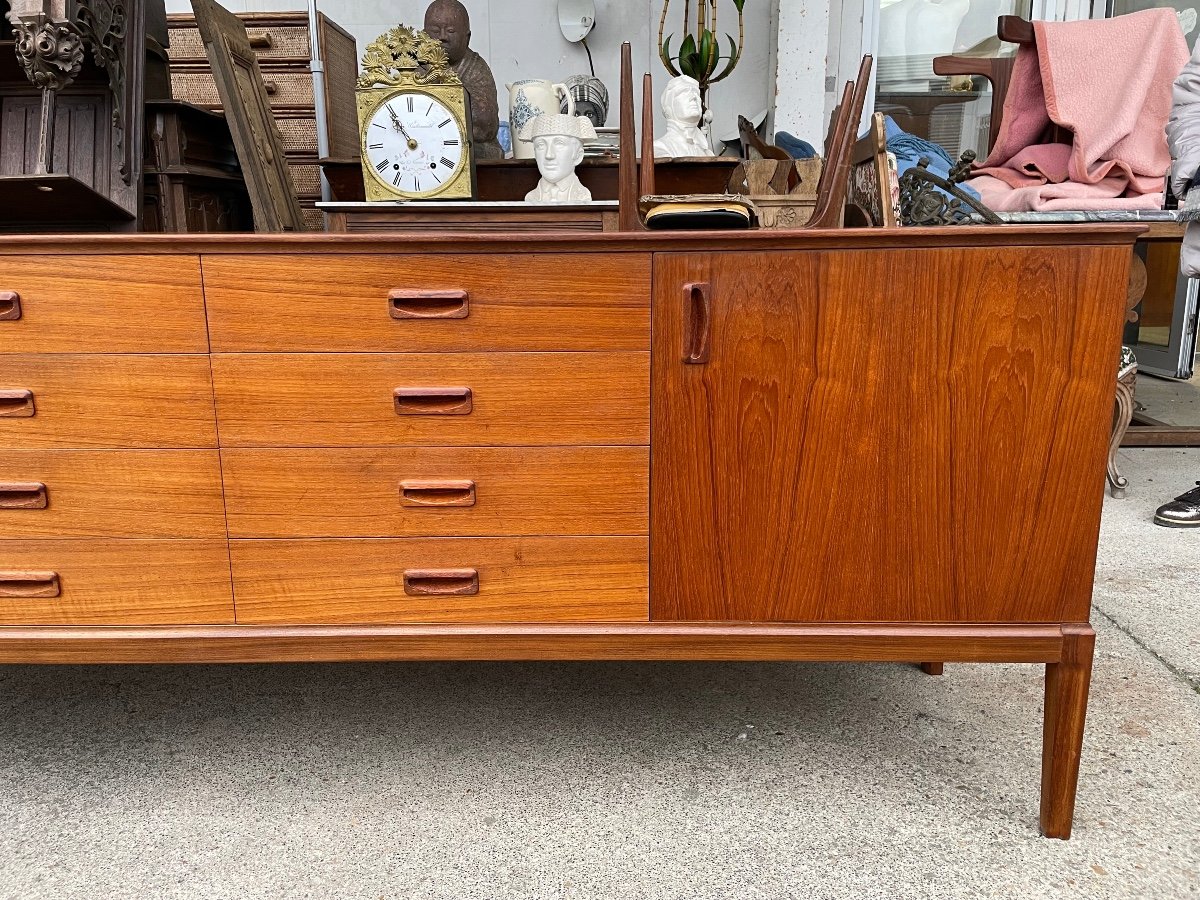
930 668
1122 416
1067 684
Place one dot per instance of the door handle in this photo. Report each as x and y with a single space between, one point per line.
439 401
29 585
437 493
408 304
697 311
16 403
441 582
23 495
10 306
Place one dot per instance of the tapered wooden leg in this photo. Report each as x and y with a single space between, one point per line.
1062 732
932 668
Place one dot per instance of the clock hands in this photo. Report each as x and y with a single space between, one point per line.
399 126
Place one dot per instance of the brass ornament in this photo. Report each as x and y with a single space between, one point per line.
405 57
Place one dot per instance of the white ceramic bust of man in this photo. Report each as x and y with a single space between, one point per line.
682 109
558 148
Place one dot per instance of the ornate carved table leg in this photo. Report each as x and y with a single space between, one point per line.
1062 732
1122 416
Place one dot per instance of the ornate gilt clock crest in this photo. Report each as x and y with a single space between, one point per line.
414 121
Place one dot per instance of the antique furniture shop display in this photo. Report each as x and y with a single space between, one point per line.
280 42
340 447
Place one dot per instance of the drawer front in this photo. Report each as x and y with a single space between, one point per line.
285 90
441 580
65 582
84 401
102 304
437 491
429 303
269 42
432 399
299 134
111 493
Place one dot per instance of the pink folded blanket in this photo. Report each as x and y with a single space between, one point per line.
1108 81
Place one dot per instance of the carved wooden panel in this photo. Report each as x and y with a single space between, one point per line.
248 110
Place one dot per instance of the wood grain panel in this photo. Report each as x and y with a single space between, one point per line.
614 641
105 304
906 443
121 582
85 400
340 400
514 302
515 491
362 581
116 493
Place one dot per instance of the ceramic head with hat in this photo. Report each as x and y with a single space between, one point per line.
558 148
684 111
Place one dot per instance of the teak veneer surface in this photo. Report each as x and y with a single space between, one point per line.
324 492
346 399
873 440
110 401
727 642
116 493
105 582
545 301
104 304
624 242
549 579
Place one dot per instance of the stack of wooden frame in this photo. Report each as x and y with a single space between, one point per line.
281 44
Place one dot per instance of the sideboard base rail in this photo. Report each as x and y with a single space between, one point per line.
617 641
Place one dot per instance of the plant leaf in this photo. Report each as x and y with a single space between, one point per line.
664 53
734 56
738 4
706 65
688 57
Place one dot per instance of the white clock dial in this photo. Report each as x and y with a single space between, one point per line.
414 144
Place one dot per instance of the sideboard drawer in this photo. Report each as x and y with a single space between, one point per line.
432 399
542 301
111 493
82 400
437 491
71 582
101 304
441 580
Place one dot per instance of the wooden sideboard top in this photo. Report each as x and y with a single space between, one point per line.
632 242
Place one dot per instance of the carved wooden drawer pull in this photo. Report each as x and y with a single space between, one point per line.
16 403
440 401
271 87
697 311
437 493
441 582
29 585
10 306
409 304
23 495
262 41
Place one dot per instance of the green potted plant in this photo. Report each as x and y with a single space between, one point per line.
699 53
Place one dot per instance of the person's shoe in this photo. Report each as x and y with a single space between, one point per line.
1182 512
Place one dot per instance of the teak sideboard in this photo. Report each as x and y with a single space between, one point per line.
846 445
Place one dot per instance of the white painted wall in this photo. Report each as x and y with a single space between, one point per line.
803 61
521 39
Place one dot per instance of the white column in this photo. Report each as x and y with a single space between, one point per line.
801 69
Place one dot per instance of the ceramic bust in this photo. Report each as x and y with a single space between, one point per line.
683 111
558 148
448 21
